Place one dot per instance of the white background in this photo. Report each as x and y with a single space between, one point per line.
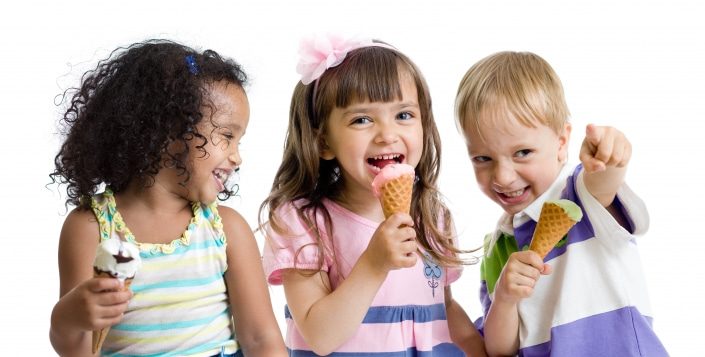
634 65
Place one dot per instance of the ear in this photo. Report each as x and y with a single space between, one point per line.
324 151
563 141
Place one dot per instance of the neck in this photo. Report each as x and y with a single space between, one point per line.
156 198
364 204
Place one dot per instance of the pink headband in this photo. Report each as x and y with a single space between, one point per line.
322 52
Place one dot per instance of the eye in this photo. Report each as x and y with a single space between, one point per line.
481 159
523 153
361 120
226 134
405 116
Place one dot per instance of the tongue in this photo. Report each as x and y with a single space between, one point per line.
382 163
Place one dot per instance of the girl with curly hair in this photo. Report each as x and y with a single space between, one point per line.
151 142
357 283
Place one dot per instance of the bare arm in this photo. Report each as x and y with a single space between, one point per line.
327 319
256 328
516 282
462 330
85 303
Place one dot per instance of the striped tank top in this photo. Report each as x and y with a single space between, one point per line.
180 305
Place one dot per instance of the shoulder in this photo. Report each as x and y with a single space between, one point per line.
80 222
232 220
77 244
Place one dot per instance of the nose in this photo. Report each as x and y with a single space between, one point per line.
504 174
234 156
386 133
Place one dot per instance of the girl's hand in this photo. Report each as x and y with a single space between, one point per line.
604 147
393 245
519 276
95 304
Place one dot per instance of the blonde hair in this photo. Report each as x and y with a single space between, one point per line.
368 73
519 85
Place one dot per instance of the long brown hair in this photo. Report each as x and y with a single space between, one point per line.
368 73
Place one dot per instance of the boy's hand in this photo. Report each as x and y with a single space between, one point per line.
96 303
604 147
393 244
519 276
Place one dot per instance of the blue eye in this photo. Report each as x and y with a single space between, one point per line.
361 120
405 116
481 159
523 153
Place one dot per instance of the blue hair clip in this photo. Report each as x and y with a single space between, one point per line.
191 63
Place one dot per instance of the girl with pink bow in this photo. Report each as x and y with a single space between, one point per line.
355 281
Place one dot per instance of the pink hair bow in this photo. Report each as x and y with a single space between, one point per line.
322 52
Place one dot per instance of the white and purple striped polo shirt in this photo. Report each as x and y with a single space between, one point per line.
595 303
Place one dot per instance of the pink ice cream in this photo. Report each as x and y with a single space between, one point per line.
390 172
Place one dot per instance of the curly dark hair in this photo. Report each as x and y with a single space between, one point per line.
129 109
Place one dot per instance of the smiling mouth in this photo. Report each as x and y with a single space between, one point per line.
380 161
512 194
221 176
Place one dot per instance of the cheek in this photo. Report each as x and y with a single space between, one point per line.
482 176
538 176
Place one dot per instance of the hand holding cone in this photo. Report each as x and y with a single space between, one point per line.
117 259
556 219
99 335
394 186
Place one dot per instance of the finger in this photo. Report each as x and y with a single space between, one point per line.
399 219
604 147
593 134
530 258
522 280
408 233
109 312
409 260
547 269
617 155
103 284
627 154
110 319
114 298
589 162
408 247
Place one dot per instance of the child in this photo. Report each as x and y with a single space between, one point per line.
591 300
353 281
159 124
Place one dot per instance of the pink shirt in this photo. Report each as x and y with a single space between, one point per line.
407 314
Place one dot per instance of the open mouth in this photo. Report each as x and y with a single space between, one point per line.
376 163
221 177
514 197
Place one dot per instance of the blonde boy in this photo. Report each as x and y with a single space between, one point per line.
588 296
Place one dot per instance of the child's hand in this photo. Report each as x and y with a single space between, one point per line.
393 245
96 303
604 147
519 276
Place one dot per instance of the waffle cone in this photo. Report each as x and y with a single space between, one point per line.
396 195
554 223
99 335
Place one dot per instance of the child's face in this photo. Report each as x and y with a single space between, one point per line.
223 129
515 164
366 136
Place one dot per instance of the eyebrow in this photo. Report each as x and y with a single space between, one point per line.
363 108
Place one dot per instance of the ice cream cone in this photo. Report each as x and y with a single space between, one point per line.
556 219
396 195
99 335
